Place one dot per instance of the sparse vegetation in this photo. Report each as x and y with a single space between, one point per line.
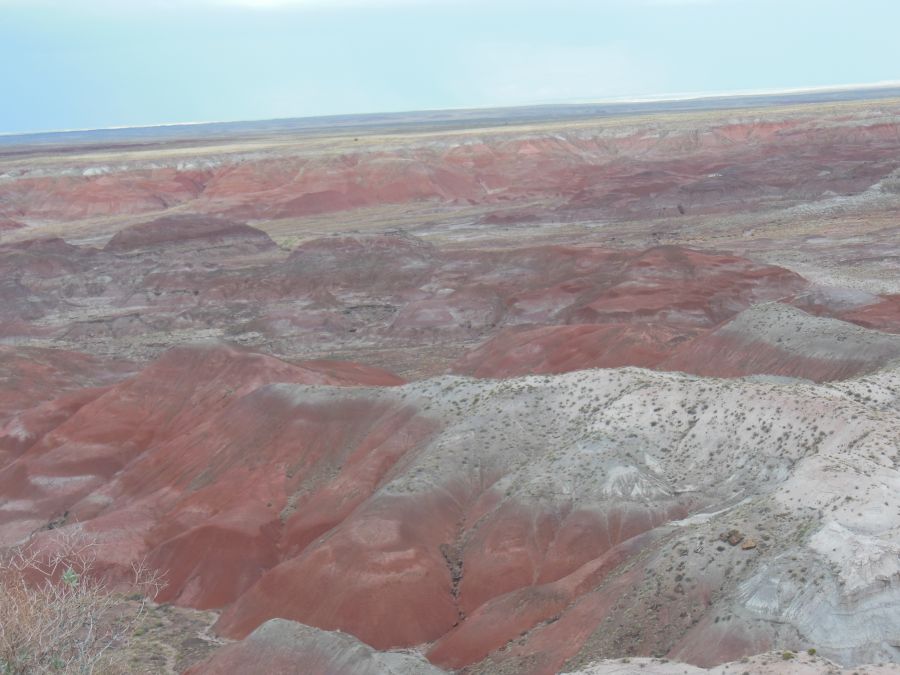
58 614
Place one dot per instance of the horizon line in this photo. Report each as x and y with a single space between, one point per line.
650 98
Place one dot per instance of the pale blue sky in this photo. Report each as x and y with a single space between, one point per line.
67 64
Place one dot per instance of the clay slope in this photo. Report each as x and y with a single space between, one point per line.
854 305
560 349
777 339
767 339
279 647
523 526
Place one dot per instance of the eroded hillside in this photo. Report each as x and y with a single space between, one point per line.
530 399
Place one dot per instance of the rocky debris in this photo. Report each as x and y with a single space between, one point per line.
167 639
732 537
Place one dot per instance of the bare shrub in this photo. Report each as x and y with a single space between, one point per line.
59 615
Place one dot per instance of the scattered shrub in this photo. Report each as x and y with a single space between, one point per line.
58 615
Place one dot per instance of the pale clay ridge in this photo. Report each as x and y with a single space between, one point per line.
344 652
793 330
820 457
762 664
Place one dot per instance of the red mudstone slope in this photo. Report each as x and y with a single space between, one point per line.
68 197
559 349
30 375
884 314
185 389
41 388
767 339
644 169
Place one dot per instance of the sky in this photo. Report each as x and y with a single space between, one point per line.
82 64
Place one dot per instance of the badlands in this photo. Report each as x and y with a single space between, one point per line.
610 391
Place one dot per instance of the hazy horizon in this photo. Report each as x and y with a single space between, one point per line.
97 64
660 98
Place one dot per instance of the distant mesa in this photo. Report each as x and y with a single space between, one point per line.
387 262
189 230
42 246
7 224
36 263
510 218
318 255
